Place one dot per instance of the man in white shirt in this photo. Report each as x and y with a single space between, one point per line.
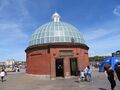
2 74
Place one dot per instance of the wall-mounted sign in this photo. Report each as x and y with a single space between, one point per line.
65 52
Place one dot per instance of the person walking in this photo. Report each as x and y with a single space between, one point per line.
110 75
89 73
85 73
117 70
2 74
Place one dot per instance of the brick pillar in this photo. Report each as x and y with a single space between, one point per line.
79 64
53 69
86 57
66 67
81 60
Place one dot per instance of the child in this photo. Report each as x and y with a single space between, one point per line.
82 75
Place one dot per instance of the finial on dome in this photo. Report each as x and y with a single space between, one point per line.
56 17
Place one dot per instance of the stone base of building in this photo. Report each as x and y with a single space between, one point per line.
47 77
41 77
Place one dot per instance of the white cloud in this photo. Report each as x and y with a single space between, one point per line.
105 46
14 10
96 33
105 40
22 9
13 41
12 36
12 32
116 11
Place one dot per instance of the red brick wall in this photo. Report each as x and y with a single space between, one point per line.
38 62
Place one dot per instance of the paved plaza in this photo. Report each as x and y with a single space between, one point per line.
23 81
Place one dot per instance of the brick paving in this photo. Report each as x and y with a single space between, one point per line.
23 81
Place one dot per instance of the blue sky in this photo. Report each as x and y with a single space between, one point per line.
98 21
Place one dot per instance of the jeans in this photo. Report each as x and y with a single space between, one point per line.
89 77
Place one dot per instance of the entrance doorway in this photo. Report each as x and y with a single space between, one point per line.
73 66
59 68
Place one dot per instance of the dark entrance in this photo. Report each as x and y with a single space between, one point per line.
59 68
73 66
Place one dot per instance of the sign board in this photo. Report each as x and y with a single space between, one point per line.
65 52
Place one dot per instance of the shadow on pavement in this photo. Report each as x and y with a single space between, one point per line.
3 80
102 89
77 81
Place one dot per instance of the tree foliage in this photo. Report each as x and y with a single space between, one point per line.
97 58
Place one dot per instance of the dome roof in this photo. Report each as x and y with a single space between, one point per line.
56 31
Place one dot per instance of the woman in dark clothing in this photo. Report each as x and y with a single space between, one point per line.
117 70
110 75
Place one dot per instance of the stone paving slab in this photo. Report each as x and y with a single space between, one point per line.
23 81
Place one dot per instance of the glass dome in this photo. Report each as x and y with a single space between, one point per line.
56 31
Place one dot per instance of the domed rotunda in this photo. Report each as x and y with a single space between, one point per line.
56 49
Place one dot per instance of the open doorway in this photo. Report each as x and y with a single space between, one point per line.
73 66
59 68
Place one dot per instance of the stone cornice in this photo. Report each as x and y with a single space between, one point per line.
56 45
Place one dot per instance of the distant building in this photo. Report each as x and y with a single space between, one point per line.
2 65
20 64
10 62
116 54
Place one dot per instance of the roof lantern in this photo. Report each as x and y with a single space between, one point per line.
56 17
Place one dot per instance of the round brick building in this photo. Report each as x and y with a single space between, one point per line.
56 49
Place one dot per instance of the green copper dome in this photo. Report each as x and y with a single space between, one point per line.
56 31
